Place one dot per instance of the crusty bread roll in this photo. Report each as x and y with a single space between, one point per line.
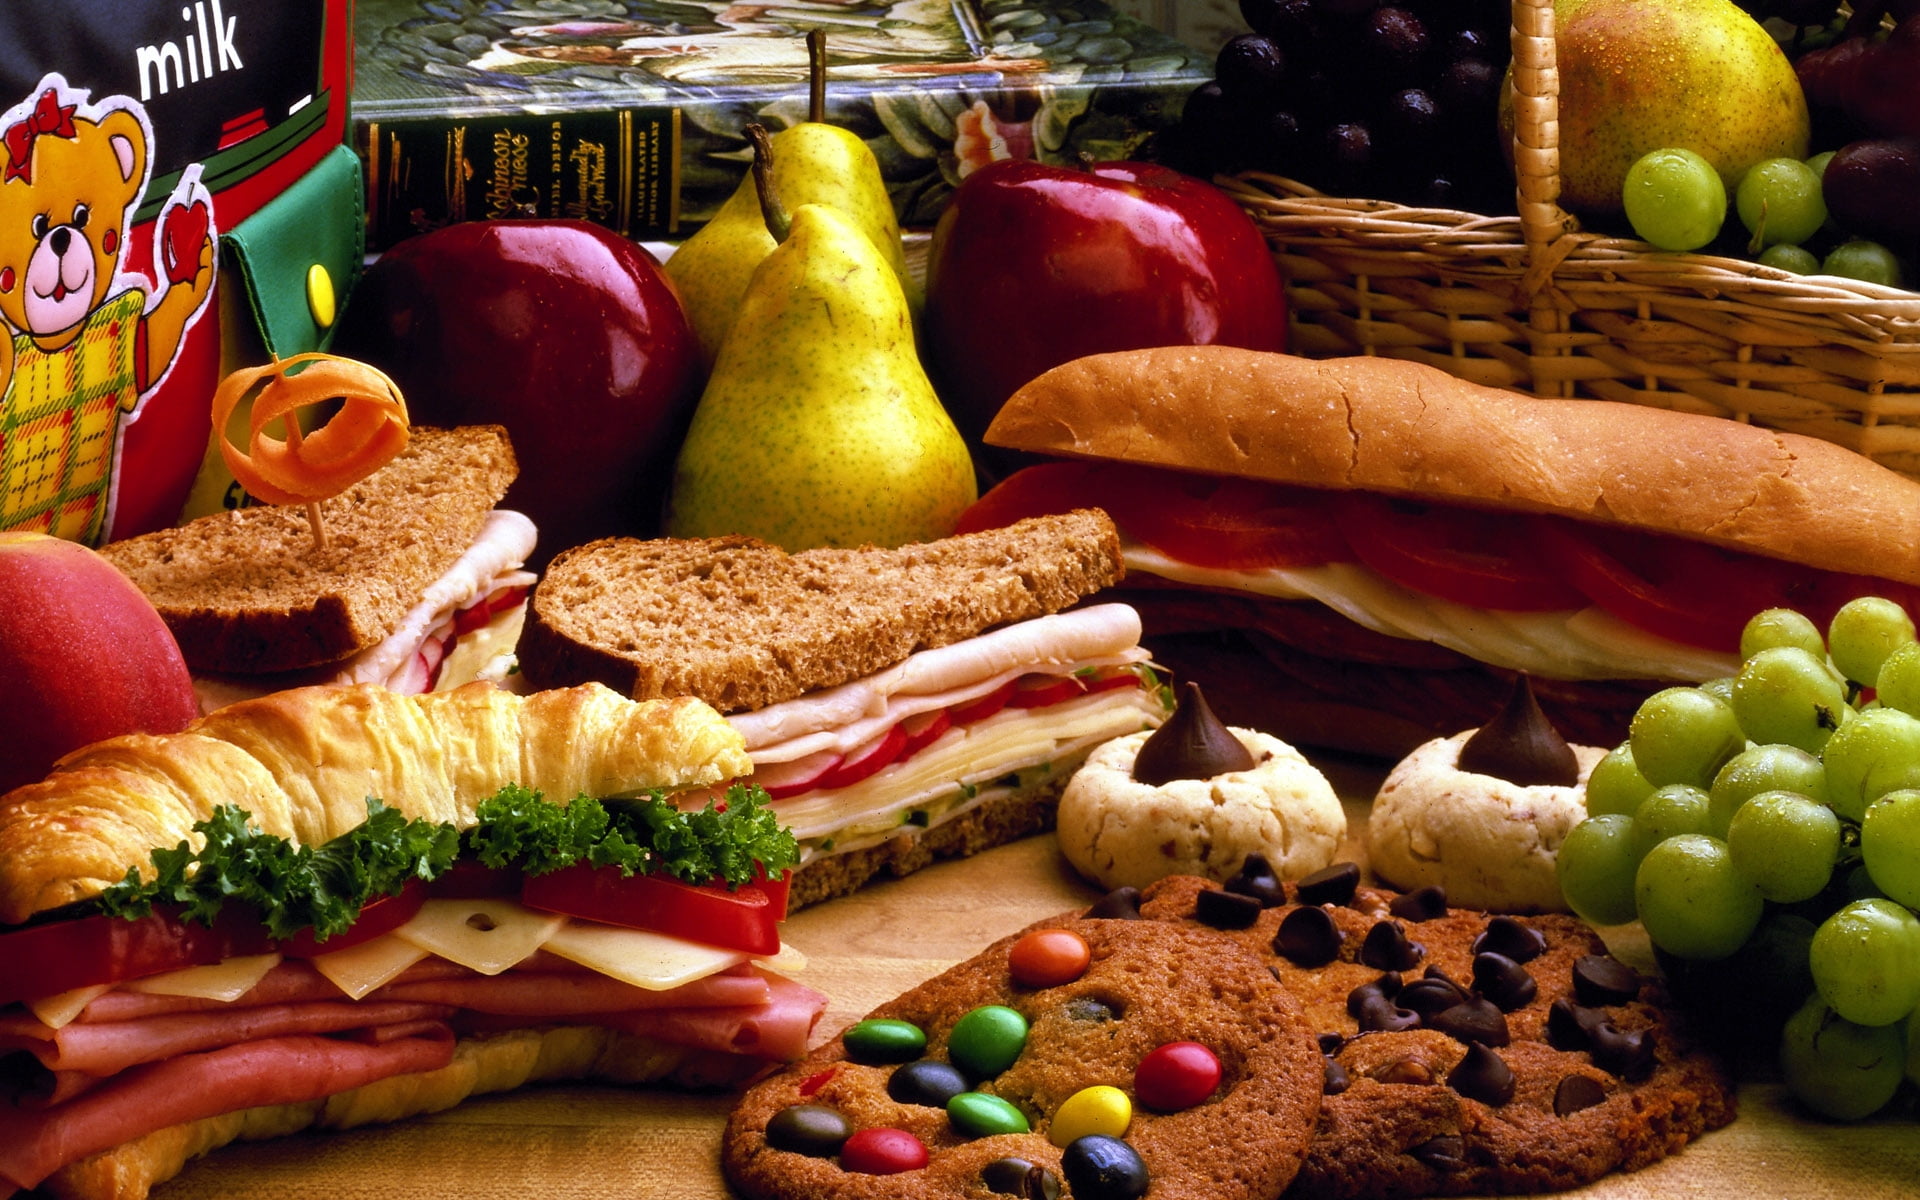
1398 427
303 763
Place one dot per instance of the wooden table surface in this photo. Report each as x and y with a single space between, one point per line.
560 1143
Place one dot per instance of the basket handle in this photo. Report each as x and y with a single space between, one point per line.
1546 229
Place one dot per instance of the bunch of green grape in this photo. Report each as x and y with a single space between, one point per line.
1765 829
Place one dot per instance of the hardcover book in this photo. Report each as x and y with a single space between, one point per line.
632 113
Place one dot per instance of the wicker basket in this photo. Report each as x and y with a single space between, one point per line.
1532 303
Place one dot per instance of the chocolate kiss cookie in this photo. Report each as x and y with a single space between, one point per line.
1468 1053
1167 1060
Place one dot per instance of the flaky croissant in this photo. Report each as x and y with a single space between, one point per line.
303 763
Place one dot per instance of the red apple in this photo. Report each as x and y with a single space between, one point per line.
83 654
1033 265
564 332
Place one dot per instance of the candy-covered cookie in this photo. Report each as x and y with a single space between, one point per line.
1465 1053
1094 1059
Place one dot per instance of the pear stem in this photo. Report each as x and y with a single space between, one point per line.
775 214
816 75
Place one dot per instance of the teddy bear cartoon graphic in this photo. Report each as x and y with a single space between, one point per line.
87 340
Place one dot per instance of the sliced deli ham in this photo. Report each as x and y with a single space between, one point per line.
34 1143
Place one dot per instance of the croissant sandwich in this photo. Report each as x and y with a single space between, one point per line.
338 905
1360 553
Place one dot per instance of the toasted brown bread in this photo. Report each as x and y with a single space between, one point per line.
248 591
742 624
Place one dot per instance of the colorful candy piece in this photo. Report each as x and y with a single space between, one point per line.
1100 1109
987 1040
884 1041
811 1129
1048 958
1177 1075
1099 1167
980 1114
883 1151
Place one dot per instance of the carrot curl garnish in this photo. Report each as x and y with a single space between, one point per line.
367 433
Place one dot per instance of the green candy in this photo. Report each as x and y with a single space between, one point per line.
987 1040
977 1114
878 1040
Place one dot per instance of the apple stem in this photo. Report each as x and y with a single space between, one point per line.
778 220
816 75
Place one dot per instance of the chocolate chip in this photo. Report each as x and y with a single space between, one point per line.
1475 1020
1307 937
1386 948
1421 904
1617 1052
1430 995
1408 1071
1377 1014
1482 1075
1575 1093
1329 885
1120 904
1601 979
1086 1008
811 1129
1334 1079
1330 1043
1256 879
1504 935
1386 986
1448 1152
1225 910
1570 1027
1503 981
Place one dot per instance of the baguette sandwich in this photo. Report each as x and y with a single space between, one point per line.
899 705
419 585
1360 553
337 905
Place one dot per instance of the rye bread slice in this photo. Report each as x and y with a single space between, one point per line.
248 592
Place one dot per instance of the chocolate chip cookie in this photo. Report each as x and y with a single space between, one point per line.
1088 1058
1464 1053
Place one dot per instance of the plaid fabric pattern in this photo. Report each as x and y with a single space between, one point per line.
59 421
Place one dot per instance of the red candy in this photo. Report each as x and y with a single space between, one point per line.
1175 1076
1049 958
882 1151
815 1082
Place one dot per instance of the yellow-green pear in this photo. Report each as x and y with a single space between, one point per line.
1644 75
813 163
818 425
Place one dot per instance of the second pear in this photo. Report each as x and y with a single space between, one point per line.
818 426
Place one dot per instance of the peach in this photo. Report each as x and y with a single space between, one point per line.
83 656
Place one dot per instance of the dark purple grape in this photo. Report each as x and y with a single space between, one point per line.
1349 155
1251 70
1293 24
1395 39
1474 43
1469 88
1347 8
1411 118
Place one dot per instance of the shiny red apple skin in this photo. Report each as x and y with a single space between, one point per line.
1033 265
564 332
83 657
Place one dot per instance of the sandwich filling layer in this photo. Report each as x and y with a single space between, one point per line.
948 729
463 627
1574 644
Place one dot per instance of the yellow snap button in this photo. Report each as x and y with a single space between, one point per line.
320 300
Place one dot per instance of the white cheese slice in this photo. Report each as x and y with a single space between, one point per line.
1572 644
641 957
484 935
788 961
58 1010
1013 739
374 963
224 981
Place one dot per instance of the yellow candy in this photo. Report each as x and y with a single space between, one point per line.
1098 1109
